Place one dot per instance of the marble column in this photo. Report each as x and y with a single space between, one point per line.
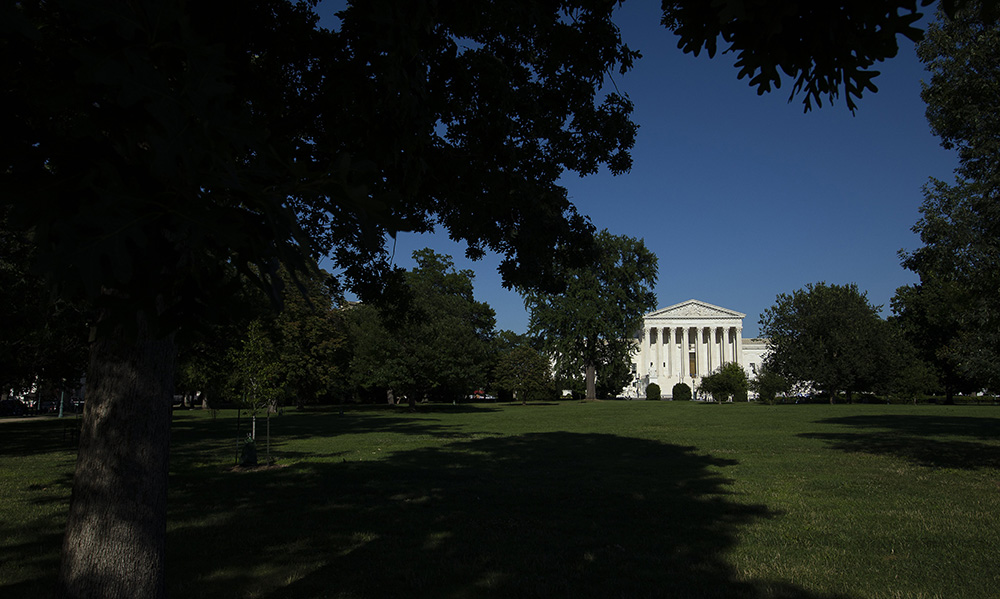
722 344
698 364
643 353
651 357
660 355
726 357
706 338
717 357
723 337
684 354
667 341
709 344
706 350
738 346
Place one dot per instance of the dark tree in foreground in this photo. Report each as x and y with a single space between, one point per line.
825 48
150 151
828 337
589 328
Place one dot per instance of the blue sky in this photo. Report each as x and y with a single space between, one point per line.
741 196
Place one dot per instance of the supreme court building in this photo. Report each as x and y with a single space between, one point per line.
686 341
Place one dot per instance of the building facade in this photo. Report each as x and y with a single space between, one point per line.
687 341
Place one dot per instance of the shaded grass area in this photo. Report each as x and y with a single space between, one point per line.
599 499
37 457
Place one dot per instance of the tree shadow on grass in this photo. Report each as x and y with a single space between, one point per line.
39 434
301 425
31 561
939 442
195 436
538 515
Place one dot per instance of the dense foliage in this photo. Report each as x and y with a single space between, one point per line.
729 382
42 341
953 315
589 328
436 347
768 384
771 37
526 372
829 338
306 332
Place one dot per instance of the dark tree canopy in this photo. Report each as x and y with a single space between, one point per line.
775 37
41 340
150 151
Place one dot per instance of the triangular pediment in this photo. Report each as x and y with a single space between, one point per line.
695 309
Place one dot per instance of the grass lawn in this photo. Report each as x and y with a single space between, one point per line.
599 499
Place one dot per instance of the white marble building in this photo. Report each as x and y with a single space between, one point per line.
686 341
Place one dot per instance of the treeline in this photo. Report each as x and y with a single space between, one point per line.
428 339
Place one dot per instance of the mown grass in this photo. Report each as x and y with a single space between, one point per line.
600 499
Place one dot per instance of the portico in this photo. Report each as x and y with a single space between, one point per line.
684 342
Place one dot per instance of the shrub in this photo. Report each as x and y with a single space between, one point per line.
682 392
653 391
728 383
768 384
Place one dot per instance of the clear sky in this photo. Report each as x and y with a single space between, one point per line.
743 197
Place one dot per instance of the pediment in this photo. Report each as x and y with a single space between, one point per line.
695 309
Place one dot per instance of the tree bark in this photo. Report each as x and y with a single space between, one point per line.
115 538
591 382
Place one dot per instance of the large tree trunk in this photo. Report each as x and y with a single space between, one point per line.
116 533
591 376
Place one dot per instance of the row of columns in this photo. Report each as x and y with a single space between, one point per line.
703 348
